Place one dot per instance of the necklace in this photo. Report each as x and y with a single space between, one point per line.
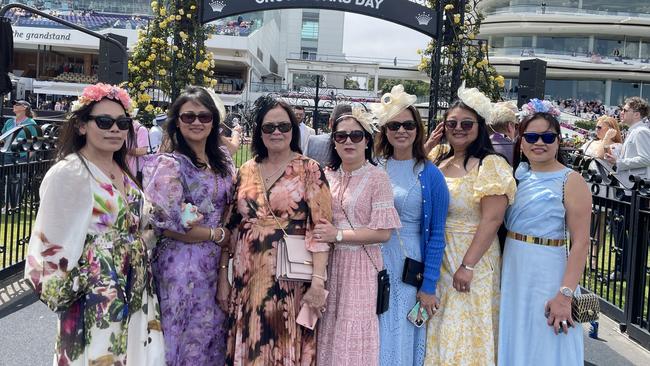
280 169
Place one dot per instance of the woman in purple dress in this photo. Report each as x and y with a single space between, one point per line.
188 261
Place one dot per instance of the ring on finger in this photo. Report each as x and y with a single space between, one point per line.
564 322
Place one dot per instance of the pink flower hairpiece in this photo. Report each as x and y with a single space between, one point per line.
97 92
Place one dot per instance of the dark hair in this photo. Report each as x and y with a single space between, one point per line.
553 123
384 149
216 156
336 161
479 148
299 107
340 110
71 141
262 106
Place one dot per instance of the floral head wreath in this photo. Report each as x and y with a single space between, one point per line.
217 102
539 106
364 118
392 104
476 100
97 92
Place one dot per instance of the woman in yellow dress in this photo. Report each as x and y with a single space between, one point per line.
464 329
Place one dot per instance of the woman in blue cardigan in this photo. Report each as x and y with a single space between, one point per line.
422 199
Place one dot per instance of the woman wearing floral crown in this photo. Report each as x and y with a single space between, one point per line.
87 259
422 200
540 276
464 330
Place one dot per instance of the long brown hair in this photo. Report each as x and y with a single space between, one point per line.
71 141
384 149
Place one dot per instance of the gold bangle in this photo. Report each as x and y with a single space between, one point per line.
319 276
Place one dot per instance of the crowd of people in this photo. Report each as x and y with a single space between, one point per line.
370 245
587 109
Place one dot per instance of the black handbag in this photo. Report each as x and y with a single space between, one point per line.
413 273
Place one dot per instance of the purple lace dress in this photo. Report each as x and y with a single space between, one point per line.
186 274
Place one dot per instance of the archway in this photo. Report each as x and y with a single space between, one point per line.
413 14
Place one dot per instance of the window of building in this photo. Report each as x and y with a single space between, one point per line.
609 46
307 53
273 65
260 54
622 90
309 29
563 45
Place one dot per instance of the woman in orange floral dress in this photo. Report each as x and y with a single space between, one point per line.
263 309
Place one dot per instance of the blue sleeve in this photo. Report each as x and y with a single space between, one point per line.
7 125
434 226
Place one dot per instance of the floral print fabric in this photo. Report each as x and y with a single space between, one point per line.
187 273
465 328
86 260
262 327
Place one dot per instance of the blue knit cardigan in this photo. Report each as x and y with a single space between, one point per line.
435 203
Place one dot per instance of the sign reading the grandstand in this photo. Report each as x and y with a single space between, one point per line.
35 36
409 13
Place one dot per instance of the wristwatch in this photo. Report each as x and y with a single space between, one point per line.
566 291
339 236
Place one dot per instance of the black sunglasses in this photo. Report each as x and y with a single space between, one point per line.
106 122
533 137
283 127
190 117
599 127
465 125
408 125
355 136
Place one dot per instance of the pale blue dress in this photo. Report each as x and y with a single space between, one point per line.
532 274
401 343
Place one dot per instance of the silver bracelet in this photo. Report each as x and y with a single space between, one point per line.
463 265
223 235
211 234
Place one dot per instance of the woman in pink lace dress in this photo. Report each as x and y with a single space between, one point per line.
363 216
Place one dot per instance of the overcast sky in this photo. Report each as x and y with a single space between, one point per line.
372 37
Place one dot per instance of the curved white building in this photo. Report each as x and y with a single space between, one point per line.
595 49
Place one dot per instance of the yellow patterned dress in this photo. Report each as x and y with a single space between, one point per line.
464 331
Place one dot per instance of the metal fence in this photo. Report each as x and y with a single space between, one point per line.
24 160
618 266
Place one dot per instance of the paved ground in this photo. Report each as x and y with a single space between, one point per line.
27 329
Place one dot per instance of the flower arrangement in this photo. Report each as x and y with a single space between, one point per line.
391 104
539 106
365 119
476 100
97 92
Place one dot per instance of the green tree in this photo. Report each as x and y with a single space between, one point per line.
476 70
169 55
415 87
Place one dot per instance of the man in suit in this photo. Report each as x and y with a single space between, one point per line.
305 131
634 159
319 145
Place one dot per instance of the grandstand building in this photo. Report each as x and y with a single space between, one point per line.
595 49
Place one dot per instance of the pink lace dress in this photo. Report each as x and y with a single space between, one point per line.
349 332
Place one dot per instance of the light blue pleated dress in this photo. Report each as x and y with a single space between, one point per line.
401 343
532 274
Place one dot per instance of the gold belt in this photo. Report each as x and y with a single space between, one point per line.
535 240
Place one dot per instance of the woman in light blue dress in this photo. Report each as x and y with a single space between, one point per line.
421 199
538 280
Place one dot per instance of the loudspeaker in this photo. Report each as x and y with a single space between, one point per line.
532 80
113 63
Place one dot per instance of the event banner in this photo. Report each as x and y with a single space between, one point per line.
409 13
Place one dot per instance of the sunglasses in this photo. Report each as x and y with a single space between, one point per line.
408 125
283 127
599 127
105 122
190 117
533 137
465 125
355 136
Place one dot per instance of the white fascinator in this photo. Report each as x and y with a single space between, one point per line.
476 100
392 104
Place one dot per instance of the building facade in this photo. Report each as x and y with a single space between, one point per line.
595 49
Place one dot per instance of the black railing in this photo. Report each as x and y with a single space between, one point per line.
618 266
24 160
